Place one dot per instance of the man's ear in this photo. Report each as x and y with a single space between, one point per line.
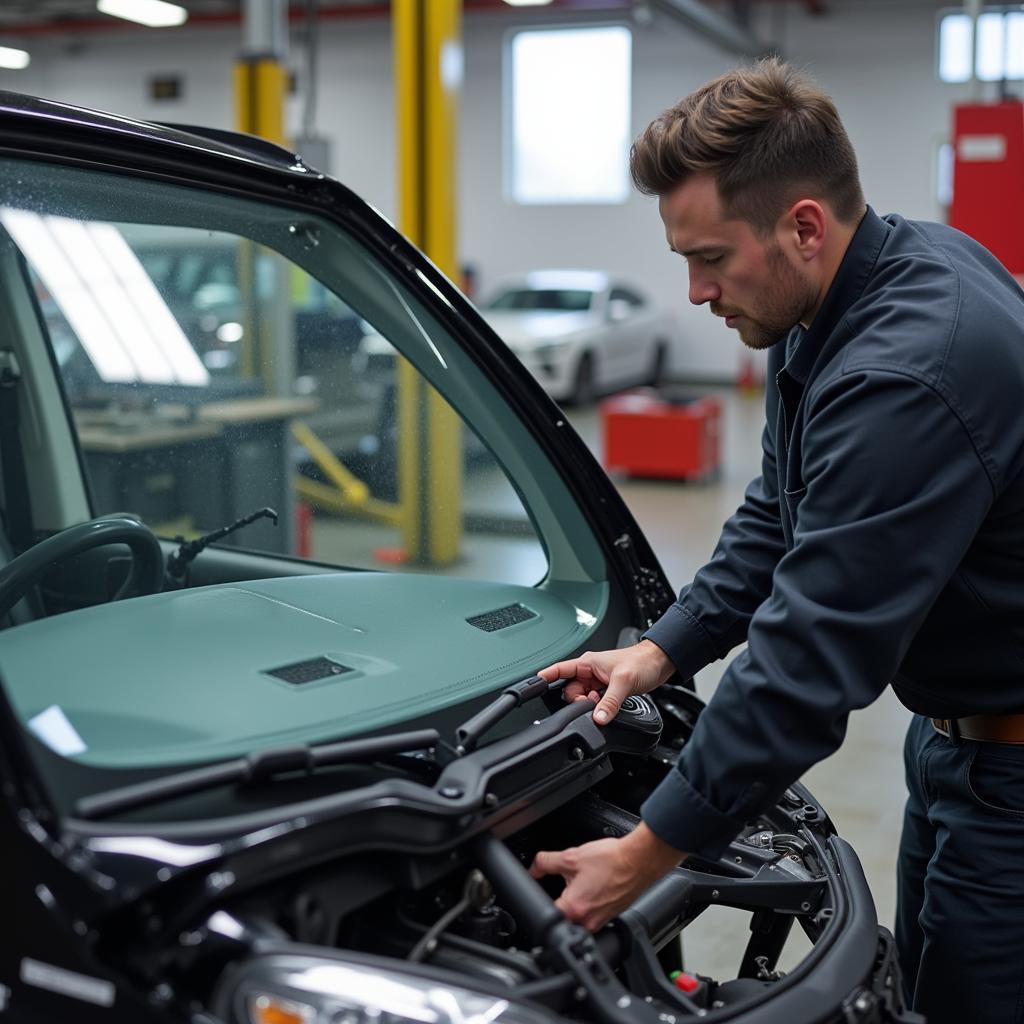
804 227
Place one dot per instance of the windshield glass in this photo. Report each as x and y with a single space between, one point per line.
218 355
555 300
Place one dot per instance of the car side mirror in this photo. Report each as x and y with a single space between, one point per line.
619 309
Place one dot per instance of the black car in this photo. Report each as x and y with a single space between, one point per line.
293 774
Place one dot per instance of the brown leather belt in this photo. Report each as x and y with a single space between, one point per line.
986 728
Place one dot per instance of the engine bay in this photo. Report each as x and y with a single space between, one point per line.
422 868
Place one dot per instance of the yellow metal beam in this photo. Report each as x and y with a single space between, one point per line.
427 58
261 84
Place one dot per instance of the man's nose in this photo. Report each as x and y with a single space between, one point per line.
703 289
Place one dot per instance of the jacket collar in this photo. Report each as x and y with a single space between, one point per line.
804 346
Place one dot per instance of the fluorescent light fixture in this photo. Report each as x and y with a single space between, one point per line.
151 13
527 3
13 59
108 299
31 234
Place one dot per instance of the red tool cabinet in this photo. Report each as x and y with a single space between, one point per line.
649 434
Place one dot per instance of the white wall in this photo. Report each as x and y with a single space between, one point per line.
876 57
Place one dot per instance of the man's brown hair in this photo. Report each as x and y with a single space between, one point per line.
765 133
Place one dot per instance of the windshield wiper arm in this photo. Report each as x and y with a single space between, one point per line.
256 767
469 734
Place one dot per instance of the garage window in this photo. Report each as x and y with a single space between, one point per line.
567 115
998 46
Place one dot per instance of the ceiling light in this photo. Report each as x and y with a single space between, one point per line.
13 59
151 13
527 3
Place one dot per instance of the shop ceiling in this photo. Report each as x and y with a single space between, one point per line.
31 16
724 23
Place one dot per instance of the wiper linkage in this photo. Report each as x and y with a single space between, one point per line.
255 767
469 734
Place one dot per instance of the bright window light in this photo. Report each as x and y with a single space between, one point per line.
990 50
13 59
151 13
1015 45
998 48
569 115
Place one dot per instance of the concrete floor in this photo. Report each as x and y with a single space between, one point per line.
861 786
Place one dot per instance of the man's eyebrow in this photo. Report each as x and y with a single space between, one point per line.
699 250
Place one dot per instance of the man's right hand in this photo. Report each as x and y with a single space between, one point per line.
609 677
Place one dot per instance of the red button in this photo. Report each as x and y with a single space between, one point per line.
686 982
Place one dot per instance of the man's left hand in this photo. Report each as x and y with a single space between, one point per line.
605 876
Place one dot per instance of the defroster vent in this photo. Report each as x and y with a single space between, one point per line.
501 618
308 671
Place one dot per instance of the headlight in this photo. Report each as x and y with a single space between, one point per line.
299 989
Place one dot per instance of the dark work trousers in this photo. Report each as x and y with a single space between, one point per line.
960 912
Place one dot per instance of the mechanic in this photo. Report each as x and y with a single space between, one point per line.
882 544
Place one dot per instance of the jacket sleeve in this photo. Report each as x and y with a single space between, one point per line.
895 493
713 613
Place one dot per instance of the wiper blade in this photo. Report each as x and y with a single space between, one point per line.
256 767
469 734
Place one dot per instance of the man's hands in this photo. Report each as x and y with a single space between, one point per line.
615 674
605 876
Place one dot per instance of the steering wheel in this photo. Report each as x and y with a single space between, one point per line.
147 571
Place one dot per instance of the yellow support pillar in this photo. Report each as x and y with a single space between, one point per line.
427 58
261 84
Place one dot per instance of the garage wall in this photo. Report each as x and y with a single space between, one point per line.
876 57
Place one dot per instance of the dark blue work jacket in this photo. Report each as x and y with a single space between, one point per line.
883 542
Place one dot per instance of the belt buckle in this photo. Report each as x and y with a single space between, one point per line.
953 731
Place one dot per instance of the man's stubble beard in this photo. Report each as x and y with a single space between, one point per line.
791 298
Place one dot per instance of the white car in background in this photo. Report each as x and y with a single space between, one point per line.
581 333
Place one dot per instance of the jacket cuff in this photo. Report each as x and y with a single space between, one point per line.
683 818
686 642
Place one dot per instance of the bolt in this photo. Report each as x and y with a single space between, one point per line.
163 993
714 894
623 1002
576 754
805 906
451 792
580 994
490 800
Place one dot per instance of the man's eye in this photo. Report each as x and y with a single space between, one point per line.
710 261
